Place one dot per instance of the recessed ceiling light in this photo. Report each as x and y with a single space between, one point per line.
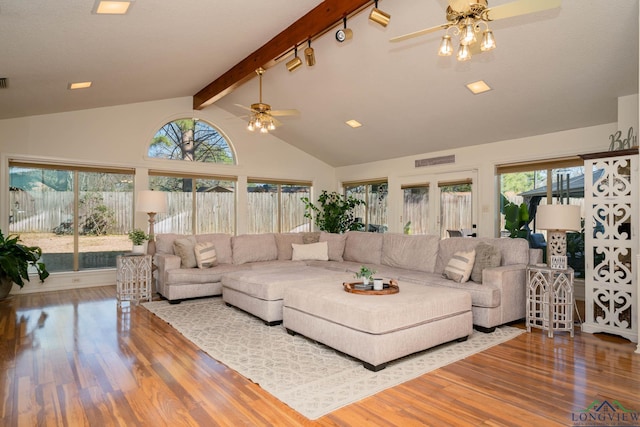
478 87
103 7
79 85
353 123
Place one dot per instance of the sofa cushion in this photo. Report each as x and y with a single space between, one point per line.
284 242
310 237
222 243
313 251
514 251
184 248
254 247
363 247
336 244
460 265
179 276
205 254
487 256
417 252
164 242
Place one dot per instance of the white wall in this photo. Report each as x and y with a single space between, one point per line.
478 162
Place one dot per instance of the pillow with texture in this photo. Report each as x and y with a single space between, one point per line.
487 256
205 253
312 251
335 242
459 267
184 248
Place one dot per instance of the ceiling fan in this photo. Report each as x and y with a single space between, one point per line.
262 116
465 17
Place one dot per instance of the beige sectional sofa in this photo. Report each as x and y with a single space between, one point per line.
419 259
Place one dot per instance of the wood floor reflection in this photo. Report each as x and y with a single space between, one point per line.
71 358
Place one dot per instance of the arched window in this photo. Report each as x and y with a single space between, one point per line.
191 140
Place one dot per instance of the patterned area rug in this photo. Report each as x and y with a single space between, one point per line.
309 377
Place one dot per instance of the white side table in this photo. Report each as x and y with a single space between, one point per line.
549 299
133 278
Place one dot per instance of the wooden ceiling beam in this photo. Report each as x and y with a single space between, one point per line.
318 21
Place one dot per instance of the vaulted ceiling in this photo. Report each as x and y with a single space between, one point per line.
553 70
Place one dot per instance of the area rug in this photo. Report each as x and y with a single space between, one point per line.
309 377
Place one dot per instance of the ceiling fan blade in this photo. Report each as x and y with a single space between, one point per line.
419 33
243 107
276 122
291 112
520 7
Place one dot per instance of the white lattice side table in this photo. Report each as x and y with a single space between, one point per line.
133 278
549 299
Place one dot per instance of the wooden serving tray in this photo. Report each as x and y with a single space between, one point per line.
392 288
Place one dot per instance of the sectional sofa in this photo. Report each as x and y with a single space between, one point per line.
497 288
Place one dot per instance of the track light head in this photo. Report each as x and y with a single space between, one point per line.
309 55
295 62
378 16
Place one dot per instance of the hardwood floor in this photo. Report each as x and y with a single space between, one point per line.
71 358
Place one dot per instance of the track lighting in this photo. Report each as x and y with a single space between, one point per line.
295 62
378 16
345 33
309 55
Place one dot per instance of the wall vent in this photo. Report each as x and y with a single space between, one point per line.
442 160
4 82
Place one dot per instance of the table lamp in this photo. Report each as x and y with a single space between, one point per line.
557 220
151 202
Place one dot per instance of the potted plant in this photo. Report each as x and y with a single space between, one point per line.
366 274
15 260
335 213
138 237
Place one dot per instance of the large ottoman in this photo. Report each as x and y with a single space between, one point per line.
377 329
261 291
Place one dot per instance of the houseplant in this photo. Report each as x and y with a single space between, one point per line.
138 237
366 274
15 260
335 213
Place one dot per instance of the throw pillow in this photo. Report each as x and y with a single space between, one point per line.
205 254
184 248
459 267
284 241
335 243
313 251
487 256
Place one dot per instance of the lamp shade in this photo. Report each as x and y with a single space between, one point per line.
558 217
151 201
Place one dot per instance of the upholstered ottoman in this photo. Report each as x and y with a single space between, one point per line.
377 329
260 291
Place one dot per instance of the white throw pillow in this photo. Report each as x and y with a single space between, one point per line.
205 255
460 265
313 251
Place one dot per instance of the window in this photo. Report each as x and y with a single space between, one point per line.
415 209
277 206
195 204
455 206
80 217
191 140
373 215
532 183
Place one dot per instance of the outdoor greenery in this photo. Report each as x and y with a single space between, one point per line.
16 258
335 213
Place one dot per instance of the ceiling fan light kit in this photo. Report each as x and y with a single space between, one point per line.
464 20
378 16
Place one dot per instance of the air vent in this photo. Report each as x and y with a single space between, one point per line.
4 83
436 161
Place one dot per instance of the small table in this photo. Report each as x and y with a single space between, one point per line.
549 299
133 278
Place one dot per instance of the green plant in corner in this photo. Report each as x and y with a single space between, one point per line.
516 217
138 237
335 213
15 260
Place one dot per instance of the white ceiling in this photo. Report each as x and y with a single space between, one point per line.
552 70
